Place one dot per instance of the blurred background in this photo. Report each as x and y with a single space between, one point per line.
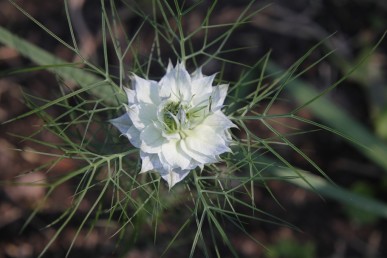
286 28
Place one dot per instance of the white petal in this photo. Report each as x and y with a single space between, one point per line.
170 66
205 140
201 90
218 120
172 154
198 156
197 74
228 136
125 126
122 123
142 115
151 139
176 84
218 96
131 94
150 162
134 136
147 91
174 176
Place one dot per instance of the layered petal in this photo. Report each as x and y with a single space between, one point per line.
174 176
147 91
134 136
125 126
173 156
122 123
142 114
151 139
218 96
199 157
150 162
131 95
205 140
201 90
218 121
176 85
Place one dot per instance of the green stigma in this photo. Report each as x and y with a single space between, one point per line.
170 110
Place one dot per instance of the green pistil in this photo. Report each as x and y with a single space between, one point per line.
172 118
170 110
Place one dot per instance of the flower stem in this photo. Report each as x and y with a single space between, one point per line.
181 33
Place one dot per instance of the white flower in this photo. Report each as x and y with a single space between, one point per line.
177 122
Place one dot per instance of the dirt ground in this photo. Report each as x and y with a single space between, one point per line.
288 29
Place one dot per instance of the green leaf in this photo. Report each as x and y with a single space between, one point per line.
340 122
109 93
327 189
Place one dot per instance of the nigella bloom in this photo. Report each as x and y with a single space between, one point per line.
177 122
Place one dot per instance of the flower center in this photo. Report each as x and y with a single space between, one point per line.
177 117
171 114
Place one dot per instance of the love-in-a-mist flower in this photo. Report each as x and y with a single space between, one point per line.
177 122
